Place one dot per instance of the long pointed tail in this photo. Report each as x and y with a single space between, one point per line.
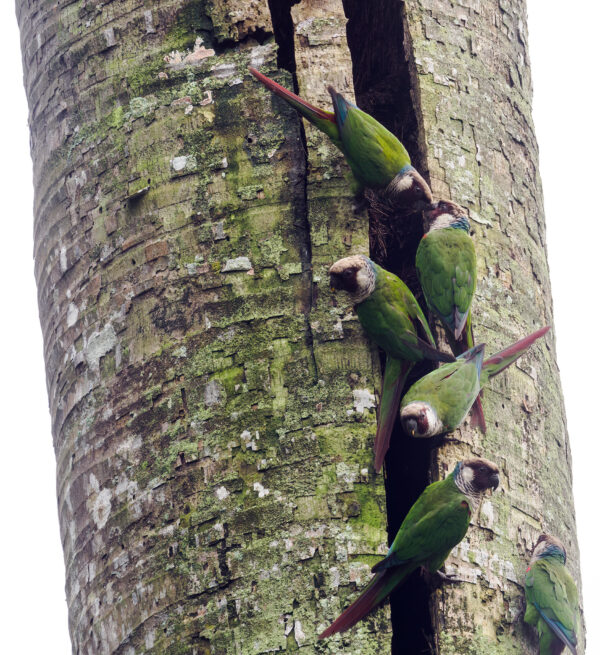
501 360
477 416
324 120
395 375
465 340
380 586
432 353
463 343
566 636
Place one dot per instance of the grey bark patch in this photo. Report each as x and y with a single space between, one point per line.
237 264
212 393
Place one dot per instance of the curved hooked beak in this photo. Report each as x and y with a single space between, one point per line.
411 427
334 282
495 480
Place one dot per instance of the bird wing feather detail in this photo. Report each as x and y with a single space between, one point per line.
552 592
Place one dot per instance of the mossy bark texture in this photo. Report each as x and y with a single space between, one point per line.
212 408
212 403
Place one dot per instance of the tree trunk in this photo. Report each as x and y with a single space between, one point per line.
212 403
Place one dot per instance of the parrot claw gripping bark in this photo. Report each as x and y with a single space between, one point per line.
440 401
433 526
552 598
376 157
392 318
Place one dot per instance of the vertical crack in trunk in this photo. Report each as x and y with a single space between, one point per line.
383 86
283 30
382 80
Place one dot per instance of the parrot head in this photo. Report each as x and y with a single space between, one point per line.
477 475
355 275
413 188
548 546
447 214
419 419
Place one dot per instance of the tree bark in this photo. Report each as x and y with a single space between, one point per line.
212 403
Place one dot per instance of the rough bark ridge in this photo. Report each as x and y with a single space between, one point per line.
212 407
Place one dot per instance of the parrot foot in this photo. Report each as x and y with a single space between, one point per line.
438 576
446 577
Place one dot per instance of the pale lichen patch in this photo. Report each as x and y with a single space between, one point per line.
237 264
212 393
299 635
99 344
99 502
487 514
363 399
72 314
177 60
222 493
183 163
262 492
63 259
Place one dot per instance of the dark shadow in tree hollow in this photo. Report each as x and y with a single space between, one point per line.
383 88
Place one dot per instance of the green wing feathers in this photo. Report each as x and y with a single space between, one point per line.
552 603
451 389
433 526
387 315
374 154
447 269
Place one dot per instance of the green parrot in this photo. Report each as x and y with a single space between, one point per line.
447 268
433 526
552 598
392 318
440 401
377 159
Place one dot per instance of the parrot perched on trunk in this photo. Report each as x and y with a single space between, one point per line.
433 526
552 598
447 269
440 401
391 316
376 157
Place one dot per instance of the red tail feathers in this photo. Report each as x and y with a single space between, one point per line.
282 92
379 587
477 416
392 386
503 359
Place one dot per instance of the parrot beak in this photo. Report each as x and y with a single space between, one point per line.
410 427
334 283
495 480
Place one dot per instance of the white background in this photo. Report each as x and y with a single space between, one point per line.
563 40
